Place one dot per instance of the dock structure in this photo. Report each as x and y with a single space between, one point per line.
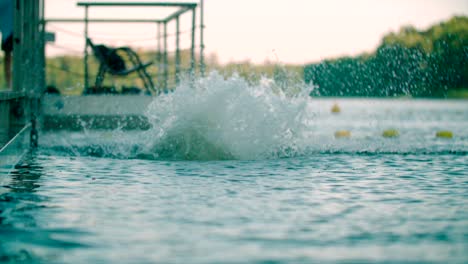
19 106
161 34
24 109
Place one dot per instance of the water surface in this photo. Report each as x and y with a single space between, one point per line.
100 197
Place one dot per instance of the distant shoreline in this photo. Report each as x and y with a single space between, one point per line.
452 94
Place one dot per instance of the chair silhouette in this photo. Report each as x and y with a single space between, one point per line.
111 62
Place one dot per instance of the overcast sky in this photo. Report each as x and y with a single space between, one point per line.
289 31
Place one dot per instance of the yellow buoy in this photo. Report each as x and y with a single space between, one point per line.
444 134
336 109
342 134
390 133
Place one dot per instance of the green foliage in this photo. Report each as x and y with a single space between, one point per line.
458 93
412 63
431 63
66 73
254 72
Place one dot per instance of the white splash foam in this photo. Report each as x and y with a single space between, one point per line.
215 118
218 118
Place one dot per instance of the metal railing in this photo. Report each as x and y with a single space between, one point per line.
20 105
161 36
14 130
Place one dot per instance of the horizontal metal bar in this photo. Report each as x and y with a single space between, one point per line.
176 14
10 95
162 4
104 20
14 150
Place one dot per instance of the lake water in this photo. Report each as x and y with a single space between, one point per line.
256 179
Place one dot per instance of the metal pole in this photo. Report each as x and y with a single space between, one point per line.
103 20
18 47
158 44
36 81
202 43
86 73
35 30
36 78
17 113
28 40
192 50
166 68
177 55
42 37
159 57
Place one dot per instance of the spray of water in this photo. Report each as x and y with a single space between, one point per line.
218 118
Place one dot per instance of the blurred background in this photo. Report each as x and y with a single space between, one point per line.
345 48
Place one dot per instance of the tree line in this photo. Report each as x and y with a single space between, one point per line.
430 63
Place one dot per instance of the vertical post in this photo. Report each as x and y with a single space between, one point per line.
202 43
26 66
158 38
17 115
42 44
86 73
177 55
159 58
166 68
192 50
26 59
27 41
35 79
18 46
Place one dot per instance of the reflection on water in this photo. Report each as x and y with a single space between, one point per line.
17 206
323 208
25 178
20 235
164 196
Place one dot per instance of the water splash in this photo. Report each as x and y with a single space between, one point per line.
218 118
215 118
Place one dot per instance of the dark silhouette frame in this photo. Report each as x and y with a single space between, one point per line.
110 62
